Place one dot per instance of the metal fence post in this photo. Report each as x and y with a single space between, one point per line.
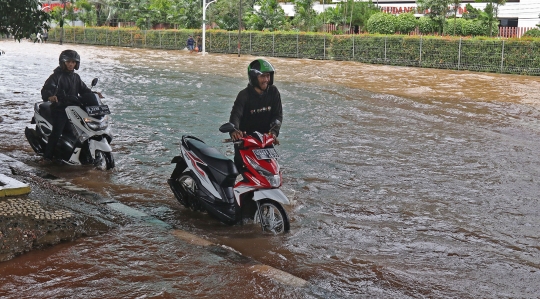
353 46
250 49
420 61
297 42
160 44
502 56
385 38
229 42
459 55
273 43
324 47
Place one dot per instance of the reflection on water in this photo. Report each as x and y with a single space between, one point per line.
406 182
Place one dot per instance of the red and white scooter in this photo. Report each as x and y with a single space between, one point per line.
205 180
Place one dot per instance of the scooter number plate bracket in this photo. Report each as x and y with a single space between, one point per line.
265 153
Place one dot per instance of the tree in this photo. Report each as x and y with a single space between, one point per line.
22 18
406 22
87 12
225 13
269 17
383 23
492 11
484 18
188 13
455 6
437 11
305 18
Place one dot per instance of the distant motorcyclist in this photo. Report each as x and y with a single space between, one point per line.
63 79
257 106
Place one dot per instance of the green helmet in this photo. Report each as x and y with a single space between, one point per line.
258 67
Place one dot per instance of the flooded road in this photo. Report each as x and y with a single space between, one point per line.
407 183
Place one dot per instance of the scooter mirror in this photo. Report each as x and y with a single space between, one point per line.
94 82
227 128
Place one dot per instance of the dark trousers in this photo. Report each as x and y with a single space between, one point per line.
59 123
238 160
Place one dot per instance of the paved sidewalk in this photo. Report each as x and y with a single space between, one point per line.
36 212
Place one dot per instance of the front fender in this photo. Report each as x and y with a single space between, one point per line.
101 145
274 194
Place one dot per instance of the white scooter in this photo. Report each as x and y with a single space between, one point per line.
86 138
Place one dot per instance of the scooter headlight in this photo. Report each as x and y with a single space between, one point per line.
97 125
273 179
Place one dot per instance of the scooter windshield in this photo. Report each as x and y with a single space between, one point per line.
90 99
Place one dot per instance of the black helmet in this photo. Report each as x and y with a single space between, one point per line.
68 55
258 67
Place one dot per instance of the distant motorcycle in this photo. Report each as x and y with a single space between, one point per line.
205 180
85 140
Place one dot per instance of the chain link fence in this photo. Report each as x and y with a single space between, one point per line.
501 56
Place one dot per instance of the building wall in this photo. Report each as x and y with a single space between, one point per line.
525 11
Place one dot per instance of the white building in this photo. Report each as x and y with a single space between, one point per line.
515 13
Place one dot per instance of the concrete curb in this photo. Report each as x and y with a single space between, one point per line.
12 187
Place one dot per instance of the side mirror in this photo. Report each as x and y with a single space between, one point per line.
94 82
227 128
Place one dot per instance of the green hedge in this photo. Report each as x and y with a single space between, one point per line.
475 54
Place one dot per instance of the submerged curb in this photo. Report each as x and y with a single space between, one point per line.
12 187
231 254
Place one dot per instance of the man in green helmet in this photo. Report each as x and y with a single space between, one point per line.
257 106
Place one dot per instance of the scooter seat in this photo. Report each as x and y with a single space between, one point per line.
44 109
212 157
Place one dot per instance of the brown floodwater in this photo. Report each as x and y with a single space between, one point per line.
406 182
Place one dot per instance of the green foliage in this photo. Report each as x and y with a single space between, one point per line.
406 22
269 17
332 15
426 25
475 54
355 13
438 10
22 18
305 18
225 13
532 33
87 12
383 23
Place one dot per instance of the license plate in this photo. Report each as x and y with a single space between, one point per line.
98 110
265 153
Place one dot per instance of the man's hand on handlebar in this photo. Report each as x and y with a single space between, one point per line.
53 99
99 94
276 141
237 135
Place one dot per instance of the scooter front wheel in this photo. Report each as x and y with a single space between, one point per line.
272 217
104 160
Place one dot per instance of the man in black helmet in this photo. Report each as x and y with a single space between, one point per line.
61 88
257 106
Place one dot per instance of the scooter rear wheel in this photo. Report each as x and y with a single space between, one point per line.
189 188
272 217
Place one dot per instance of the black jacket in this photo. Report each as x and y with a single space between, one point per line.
70 82
254 112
